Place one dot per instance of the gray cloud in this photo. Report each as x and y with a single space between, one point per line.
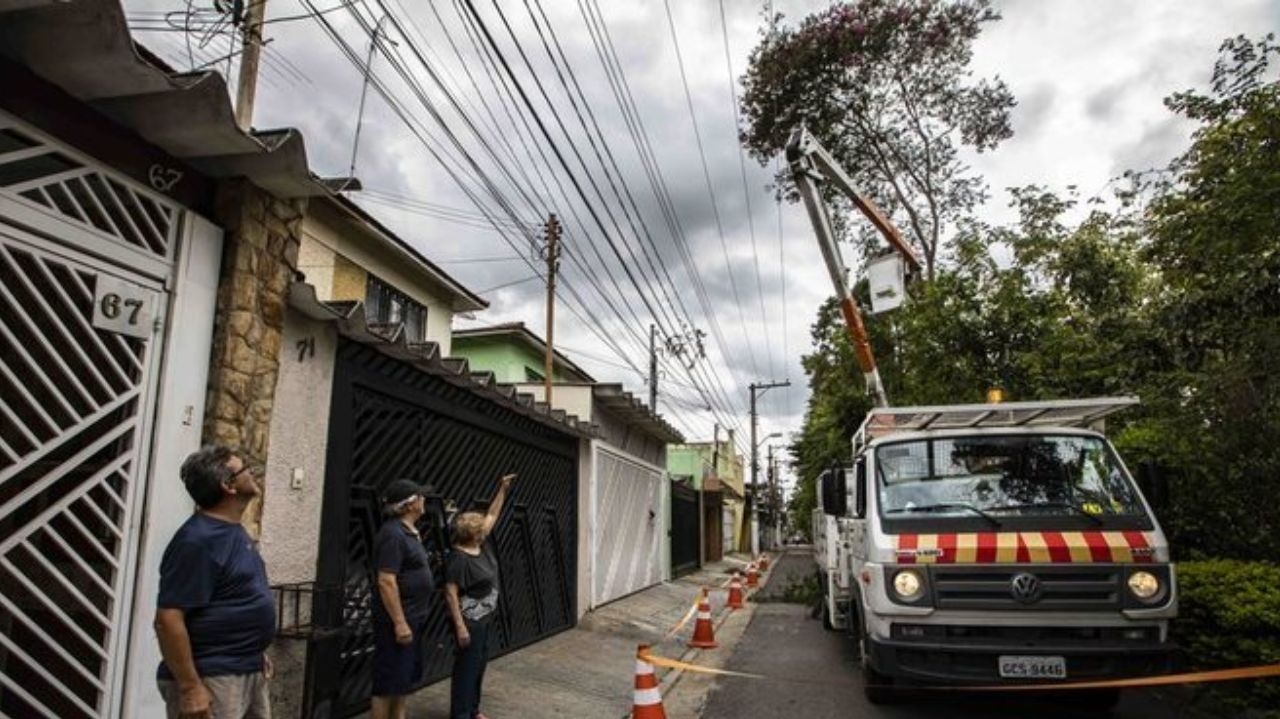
1033 110
1101 105
1075 124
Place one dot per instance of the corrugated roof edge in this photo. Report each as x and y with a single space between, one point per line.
351 323
632 409
86 48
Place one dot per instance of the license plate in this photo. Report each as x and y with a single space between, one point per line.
1033 667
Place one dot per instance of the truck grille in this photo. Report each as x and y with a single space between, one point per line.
1092 587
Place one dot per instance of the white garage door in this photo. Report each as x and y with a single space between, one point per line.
627 526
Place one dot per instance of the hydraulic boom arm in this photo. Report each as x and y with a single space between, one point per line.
810 163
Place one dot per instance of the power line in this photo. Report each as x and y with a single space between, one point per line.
602 40
484 181
551 142
746 193
706 173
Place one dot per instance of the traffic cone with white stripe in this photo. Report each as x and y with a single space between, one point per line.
735 592
648 701
764 562
703 634
753 576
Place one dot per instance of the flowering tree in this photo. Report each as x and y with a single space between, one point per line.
885 86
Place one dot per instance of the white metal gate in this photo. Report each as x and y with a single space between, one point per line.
81 294
627 526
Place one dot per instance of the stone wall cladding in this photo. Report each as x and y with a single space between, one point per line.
259 260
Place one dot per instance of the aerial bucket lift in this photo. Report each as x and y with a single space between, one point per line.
810 164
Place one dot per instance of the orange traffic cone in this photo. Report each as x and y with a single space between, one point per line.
703 634
764 562
648 701
735 592
753 576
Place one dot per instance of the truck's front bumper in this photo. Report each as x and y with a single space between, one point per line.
953 662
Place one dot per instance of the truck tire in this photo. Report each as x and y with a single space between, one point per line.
877 687
1099 700
825 610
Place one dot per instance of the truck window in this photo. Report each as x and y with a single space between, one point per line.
1004 476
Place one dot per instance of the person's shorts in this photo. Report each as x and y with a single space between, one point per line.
397 668
235 696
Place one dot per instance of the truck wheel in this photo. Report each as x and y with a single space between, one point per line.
877 687
1099 700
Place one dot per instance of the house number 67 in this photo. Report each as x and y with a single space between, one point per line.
113 305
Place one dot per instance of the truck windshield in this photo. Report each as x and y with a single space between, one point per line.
1004 477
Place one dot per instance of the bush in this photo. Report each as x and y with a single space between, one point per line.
1229 616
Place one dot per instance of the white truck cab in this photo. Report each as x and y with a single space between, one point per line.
996 543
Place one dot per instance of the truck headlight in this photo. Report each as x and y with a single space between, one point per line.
1144 585
908 585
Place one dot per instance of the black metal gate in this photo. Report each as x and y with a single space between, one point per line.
390 420
684 529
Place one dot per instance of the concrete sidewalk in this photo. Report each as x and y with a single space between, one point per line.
588 671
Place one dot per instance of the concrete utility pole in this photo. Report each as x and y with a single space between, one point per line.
775 497
756 391
653 368
552 255
249 59
771 484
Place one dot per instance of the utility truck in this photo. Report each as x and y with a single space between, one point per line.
994 543
981 544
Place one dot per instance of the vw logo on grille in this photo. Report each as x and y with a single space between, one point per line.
1025 587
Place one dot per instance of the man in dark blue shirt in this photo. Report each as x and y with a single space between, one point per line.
215 615
402 603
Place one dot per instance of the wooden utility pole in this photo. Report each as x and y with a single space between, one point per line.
715 449
552 255
255 16
653 369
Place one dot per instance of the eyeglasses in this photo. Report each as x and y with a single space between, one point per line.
252 469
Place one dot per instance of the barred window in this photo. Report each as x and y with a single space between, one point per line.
385 304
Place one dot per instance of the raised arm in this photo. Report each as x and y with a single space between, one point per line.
495 506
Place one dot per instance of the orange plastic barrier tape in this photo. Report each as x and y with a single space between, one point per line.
1218 675
681 624
673 664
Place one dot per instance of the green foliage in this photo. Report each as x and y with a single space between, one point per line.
1173 295
885 86
1229 616
1214 246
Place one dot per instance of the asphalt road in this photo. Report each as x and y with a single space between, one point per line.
813 674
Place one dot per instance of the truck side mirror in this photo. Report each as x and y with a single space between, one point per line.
860 489
834 492
1154 483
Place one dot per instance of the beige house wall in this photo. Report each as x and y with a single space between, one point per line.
337 260
574 399
299 448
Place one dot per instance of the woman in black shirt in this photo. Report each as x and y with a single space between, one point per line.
471 590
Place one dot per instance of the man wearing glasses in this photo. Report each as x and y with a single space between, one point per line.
215 615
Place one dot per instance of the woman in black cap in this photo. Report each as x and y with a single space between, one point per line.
402 602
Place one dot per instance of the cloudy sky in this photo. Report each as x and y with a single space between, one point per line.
459 153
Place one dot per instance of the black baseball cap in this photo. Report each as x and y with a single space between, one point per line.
402 489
